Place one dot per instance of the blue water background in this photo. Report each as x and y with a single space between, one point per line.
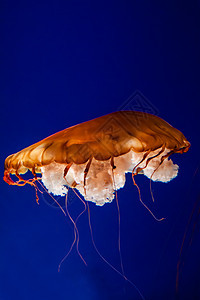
65 62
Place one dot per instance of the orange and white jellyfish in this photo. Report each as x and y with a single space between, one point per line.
93 157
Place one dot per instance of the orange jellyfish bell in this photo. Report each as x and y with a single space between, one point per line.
94 156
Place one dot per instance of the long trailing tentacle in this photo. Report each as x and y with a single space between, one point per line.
161 161
71 219
147 162
76 237
140 198
53 198
103 258
76 232
77 241
119 217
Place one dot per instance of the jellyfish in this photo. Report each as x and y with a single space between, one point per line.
93 157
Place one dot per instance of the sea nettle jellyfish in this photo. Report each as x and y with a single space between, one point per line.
93 157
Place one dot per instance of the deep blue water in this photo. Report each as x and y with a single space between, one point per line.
65 62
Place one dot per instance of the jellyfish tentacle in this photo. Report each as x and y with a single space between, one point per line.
66 170
35 185
86 172
77 241
104 259
53 198
140 198
119 217
143 158
7 178
34 173
162 160
75 235
20 179
149 159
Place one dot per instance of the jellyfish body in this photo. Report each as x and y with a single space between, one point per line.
94 156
